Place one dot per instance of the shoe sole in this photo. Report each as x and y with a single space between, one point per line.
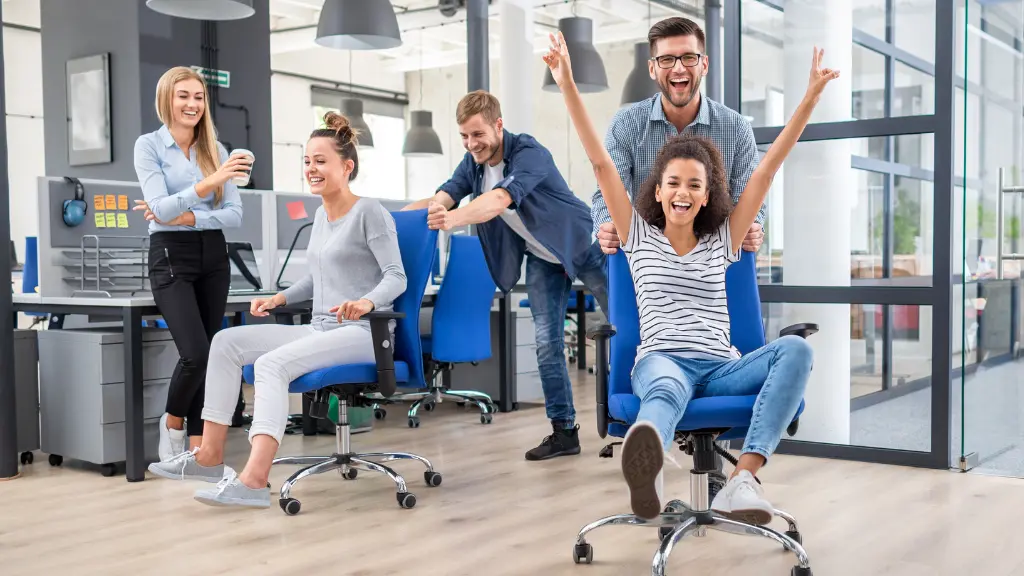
231 503
164 474
570 452
642 460
752 516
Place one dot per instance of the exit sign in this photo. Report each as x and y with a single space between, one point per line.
219 78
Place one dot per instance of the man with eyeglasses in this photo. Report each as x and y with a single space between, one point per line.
638 131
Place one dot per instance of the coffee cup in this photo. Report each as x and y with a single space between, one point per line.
238 180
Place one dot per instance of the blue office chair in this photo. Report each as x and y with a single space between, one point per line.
706 419
460 330
30 277
397 361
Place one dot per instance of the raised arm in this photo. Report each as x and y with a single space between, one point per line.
612 189
760 181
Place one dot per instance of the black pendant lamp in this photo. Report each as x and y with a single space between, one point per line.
352 108
204 9
358 25
587 66
639 84
421 140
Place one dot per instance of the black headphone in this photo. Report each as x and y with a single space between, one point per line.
76 208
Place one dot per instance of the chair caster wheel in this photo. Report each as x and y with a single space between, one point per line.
108 470
414 422
486 418
27 457
291 506
429 407
406 499
460 404
56 459
795 536
433 479
583 553
799 571
663 532
350 474
379 413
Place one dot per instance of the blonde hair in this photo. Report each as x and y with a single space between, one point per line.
478 102
205 135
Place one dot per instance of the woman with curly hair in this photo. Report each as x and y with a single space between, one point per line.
679 240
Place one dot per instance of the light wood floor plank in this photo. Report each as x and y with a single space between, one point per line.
495 513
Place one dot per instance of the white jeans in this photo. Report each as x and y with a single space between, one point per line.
281 354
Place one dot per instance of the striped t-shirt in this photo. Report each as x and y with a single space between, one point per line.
681 299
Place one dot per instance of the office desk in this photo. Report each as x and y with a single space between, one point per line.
131 312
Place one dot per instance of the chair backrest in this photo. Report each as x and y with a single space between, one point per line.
745 324
461 325
30 269
416 243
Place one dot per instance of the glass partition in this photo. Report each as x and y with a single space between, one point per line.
988 400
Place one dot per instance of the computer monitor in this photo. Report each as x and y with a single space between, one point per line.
245 273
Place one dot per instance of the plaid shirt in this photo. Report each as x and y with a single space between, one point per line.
637 133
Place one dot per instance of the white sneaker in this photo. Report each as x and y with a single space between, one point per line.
742 499
642 459
172 442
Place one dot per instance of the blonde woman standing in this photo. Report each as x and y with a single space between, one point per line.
186 175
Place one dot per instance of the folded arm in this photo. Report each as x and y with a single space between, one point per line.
164 204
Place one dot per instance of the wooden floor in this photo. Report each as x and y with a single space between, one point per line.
495 513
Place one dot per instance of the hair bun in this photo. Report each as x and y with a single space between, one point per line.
341 126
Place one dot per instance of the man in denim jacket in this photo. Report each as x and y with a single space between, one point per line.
522 206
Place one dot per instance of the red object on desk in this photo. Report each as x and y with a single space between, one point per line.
297 210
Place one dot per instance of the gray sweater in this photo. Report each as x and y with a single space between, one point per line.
354 257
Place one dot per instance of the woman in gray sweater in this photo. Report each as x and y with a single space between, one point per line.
354 267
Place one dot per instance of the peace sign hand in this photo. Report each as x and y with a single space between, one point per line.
819 76
557 60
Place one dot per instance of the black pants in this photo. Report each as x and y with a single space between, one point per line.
189 275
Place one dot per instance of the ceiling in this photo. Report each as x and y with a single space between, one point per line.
432 40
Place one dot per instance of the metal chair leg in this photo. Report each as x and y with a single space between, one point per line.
325 466
735 526
389 456
669 542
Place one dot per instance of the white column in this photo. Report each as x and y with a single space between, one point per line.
517 65
818 199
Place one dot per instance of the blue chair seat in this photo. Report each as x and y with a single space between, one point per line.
710 413
361 374
588 302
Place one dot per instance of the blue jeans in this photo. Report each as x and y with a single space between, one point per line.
777 373
548 288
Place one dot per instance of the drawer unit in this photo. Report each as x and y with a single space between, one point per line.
26 386
81 387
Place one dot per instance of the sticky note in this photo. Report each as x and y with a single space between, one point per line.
297 210
97 202
122 202
111 220
122 220
101 222
111 202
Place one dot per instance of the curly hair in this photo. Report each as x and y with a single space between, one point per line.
710 217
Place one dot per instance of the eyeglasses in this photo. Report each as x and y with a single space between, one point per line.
667 61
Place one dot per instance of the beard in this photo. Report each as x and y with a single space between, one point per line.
681 101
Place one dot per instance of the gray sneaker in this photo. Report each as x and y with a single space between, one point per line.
184 467
231 492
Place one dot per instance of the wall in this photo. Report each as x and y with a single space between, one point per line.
24 106
551 125
110 25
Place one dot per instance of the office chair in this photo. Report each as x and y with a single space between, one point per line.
30 277
706 419
397 360
460 330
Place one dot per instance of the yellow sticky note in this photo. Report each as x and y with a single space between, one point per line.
97 202
111 202
101 222
122 202
111 220
122 220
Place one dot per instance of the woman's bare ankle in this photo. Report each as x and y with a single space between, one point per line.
251 481
207 457
175 422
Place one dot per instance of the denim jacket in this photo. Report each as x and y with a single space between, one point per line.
559 220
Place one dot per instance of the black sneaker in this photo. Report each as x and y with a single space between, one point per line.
561 442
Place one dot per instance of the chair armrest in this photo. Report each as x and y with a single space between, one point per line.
802 330
601 331
383 350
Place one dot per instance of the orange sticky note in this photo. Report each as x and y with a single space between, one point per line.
97 202
122 202
111 202
111 220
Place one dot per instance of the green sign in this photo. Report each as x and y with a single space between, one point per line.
220 78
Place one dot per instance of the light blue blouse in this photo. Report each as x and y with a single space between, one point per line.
169 181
